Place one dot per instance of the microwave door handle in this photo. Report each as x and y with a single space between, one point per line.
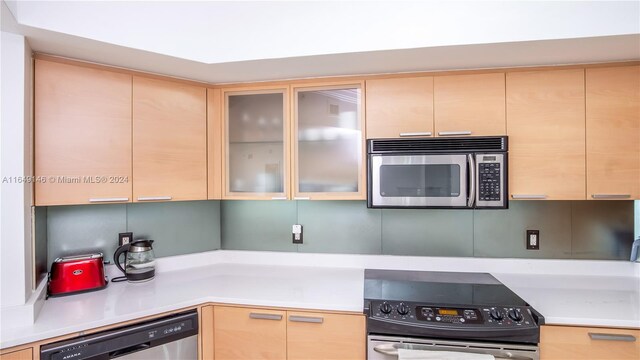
472 181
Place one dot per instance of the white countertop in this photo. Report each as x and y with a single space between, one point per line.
566 292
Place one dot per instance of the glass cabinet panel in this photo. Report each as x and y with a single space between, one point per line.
255 153
329 147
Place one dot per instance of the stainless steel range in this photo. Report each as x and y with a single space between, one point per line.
447 311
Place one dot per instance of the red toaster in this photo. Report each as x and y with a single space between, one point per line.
76 274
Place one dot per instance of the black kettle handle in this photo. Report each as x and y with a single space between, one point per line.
116 256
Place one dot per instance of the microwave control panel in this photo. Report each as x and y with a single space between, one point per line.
490 181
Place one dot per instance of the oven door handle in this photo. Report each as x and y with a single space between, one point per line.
392 350
472 181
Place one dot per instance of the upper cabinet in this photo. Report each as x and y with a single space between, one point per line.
613 132
82 135
214 144
255 152
169 141
470 105
399 107
545 124
328 142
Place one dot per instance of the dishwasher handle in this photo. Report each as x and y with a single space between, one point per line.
129 350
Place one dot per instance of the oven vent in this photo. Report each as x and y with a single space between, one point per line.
466 144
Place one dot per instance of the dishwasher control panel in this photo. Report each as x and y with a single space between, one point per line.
125 340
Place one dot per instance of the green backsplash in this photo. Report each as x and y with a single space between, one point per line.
568 229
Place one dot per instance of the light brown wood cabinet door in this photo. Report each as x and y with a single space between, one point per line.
169 141
321 336
243 333
613 133
469 105
399 107
214 144
205 336
82 135
546 128
25 354
582 343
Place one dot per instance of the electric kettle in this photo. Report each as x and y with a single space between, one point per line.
139 262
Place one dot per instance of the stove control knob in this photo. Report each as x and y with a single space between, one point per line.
385 308
496 314
403 309
515 315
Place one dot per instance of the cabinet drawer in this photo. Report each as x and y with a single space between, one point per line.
567 343
25 354
324 336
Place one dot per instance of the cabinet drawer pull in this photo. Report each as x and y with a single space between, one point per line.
301 198
454 133
306 319
153 198
610 196
278 198
612 337
262 316
407 134
113 199
528 196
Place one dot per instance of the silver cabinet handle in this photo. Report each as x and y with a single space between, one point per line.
423 133
611 196
153 198
454 133
104 200
301 198
524 196
262 316
612 337
306 319
278 198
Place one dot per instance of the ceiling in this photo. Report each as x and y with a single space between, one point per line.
230 41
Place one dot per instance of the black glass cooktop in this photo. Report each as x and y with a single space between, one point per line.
450 288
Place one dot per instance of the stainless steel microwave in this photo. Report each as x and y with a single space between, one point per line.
458 173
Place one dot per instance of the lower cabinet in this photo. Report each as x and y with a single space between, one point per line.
569 343
25 354
245 333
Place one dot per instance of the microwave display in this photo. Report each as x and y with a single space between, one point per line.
430 180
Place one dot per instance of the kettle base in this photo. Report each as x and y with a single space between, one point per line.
141 280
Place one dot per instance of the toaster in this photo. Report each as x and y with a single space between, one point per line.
77 274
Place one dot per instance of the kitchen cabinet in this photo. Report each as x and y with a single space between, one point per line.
206 349
244 333
256 149
322 336
469 105
169 141
568 343
398 107
24 354
82 135
214 144
546 128
328 142
613 132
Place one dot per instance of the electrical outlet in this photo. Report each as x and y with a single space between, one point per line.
296 234
124 238
533 239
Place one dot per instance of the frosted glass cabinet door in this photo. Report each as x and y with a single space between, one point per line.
256 123
329 143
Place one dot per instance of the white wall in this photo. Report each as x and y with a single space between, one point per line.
16 259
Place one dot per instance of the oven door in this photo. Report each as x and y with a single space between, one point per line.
419 180
386 348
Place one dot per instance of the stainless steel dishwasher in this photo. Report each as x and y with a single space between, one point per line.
172 337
